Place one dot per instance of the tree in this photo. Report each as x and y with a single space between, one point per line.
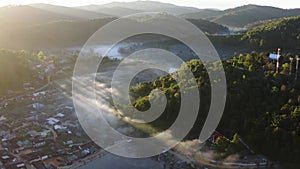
222 144
235 139
41 55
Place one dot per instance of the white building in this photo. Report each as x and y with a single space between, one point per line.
52 121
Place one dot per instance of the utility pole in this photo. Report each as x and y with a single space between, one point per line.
291 65
297 66
278 56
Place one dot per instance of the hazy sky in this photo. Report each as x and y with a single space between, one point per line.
219 4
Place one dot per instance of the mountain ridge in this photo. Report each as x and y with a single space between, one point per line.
243 15
144 6
72 12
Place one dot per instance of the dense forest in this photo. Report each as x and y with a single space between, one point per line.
14 69
263 106
242 16
265 36
18 68
284 33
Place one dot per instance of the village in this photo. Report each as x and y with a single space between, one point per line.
40 130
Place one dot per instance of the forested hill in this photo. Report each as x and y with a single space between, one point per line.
43 26
209 27
60 33
243 15
284 33
126 8
15 69
56 34
262 106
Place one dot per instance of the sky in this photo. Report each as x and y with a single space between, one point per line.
216 4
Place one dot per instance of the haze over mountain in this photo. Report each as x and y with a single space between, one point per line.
234 17
45 26
72 12
244 15
115 11
64 34
203 14
139 6
29 15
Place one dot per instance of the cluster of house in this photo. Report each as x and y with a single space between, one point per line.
47 69
44 69
79 151
12 145
24 133
13 156
23 140
33 160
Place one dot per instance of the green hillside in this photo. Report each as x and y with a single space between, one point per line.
15 69
284 33
242 16
71 33
262 106
59 34
209 27
203 14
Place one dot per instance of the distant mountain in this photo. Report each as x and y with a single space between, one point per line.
59 34
72 12
209 27
28 27
242 16
203 14
66 34
140 6
29 15
284 33
115 11
153 6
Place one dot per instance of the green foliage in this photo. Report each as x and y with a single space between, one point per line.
282 33
222 144
15 69
262 106
209 27
248 14
235 139
228 146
